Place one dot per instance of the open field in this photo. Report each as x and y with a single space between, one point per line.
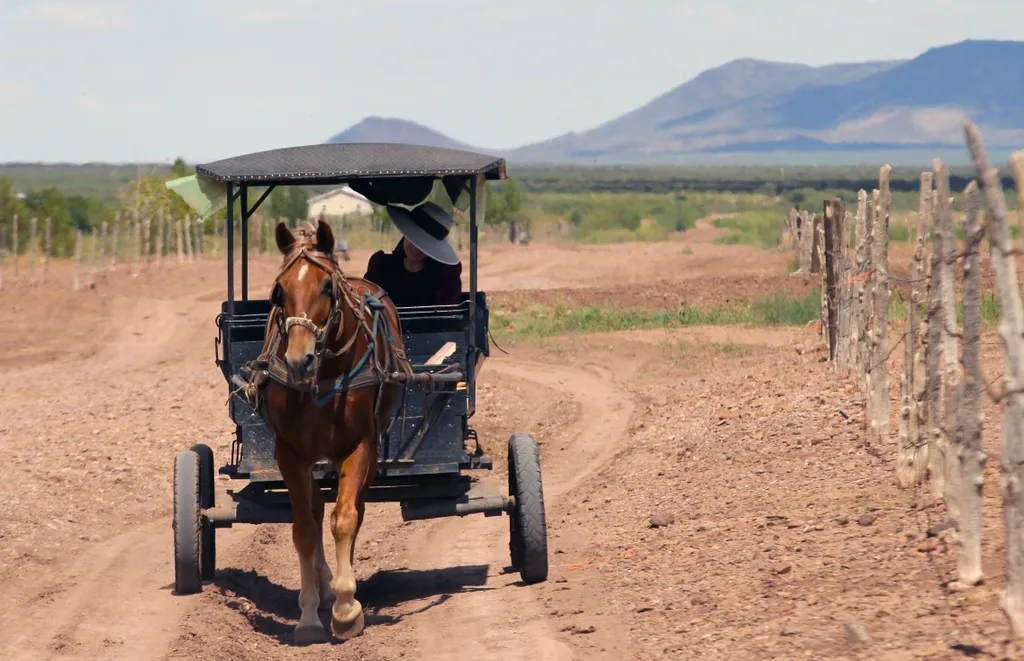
786 522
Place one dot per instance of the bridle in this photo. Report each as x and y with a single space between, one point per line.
341 292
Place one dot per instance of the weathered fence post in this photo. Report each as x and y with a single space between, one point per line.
33 248
862 231
912 462
47 246
1017 166
806 243
136 243
148 224
834 214
181 247
845 272
936 324
819 253
92 256
14 246
160 237
952 386
78 259
103 245
972 456
878 368
1011 328
188 239
116 244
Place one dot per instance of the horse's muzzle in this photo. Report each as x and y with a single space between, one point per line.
303 367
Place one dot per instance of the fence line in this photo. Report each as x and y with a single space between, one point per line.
939 435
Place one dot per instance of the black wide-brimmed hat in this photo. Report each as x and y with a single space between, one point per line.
427 227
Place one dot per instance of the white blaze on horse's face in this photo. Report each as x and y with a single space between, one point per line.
308 296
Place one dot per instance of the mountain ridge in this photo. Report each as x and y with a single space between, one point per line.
757 106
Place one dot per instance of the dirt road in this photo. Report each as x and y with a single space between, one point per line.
731 436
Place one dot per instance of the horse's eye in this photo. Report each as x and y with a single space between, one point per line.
277 296
328 286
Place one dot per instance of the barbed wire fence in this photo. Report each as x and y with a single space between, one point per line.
938 440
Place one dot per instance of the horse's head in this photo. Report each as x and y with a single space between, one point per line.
307 294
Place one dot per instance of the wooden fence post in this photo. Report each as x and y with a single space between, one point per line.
160 237
181 248
1011 455
136 243
817 247
33 248
878 369
952 386
862 232
78 259
47 247
972 456
116 242
92 256
1017 166
845 291
933 369
806 241
103 245
147 225
14 246
188 239
834 215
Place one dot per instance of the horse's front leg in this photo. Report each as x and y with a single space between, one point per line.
355 474
299 480
323 570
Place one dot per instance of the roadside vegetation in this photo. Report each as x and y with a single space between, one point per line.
578 204
777 309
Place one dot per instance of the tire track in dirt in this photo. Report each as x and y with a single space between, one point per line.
509 621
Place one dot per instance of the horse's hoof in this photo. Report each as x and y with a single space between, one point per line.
309 634
346 630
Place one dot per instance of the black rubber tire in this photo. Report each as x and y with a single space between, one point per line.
528 536
187 524
206 501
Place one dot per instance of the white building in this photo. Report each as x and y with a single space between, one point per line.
338 203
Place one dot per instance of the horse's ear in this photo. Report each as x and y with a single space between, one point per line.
324 237
285 238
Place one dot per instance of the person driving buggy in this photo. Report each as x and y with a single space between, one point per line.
423 269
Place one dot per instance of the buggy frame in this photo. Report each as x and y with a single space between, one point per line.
423 452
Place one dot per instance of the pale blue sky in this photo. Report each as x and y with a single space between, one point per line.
127 81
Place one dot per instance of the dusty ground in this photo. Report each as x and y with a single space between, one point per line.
784 526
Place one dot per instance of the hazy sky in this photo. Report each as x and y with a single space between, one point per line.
127 81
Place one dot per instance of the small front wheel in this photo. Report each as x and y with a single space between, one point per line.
528 538
188 524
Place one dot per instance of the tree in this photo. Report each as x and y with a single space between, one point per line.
10 206
291 202
51 203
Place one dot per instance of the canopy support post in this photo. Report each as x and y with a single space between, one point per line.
245 241
230 233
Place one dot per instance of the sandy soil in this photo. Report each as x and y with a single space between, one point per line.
782 527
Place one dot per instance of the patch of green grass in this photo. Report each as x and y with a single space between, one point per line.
777 309
686 251
760 228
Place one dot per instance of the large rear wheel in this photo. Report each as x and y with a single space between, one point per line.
528 537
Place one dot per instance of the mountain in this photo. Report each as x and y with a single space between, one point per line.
387 129
756 107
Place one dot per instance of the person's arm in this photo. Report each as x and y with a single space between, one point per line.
374 266
448 290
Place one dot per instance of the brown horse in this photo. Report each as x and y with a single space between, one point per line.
327 396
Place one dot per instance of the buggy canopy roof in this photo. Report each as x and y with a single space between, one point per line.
339 163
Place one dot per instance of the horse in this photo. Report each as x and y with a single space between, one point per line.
332 345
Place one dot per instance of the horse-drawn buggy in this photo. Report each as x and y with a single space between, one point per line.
339 395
